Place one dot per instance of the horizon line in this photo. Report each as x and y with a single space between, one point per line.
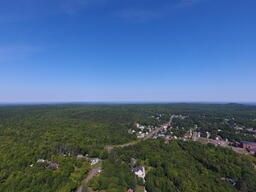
123 102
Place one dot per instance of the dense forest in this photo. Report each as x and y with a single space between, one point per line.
178 166
58 133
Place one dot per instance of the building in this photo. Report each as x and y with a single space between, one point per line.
165 126
187 135
54 165
196 135
252 151
80 156
141 135
208 135
133 162
95 161
248 145
140 172
41 161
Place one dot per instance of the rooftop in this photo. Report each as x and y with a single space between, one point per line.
139 168
252 150
248 143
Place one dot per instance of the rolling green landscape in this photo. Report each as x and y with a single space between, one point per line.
50 147
177 166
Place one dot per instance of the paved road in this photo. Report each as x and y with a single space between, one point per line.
110 148
93 172
150 135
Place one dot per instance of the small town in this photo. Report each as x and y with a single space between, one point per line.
144 147
166 132
143 132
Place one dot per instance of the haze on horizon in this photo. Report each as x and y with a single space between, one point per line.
119 51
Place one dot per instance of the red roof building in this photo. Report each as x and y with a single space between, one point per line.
248 145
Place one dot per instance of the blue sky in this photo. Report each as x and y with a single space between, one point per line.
129 50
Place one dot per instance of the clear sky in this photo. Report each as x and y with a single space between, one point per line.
127 50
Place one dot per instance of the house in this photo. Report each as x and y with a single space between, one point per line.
141 135
231 181
161 135
238 128
165 126
188 135
196 135
54 165
80 156
208 135
248 145
252 151
140 171
41 161
142 127
95 161
133 162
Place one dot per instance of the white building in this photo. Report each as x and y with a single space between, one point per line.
141 135
41 161
142 127
80 156
208 135
95 161
140 172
